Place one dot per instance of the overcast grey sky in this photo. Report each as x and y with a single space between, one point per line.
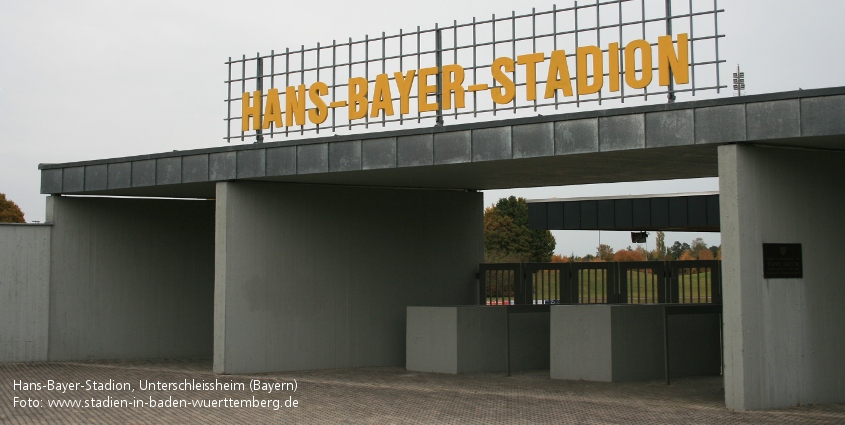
92 79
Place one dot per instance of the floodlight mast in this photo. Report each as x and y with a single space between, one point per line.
739 81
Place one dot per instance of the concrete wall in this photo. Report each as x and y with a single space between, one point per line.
784 338
24 292
314 276
130 278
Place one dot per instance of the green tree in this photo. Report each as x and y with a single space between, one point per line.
659 252
677 249
507 237
605 252
10 212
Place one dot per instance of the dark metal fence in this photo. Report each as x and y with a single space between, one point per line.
640 282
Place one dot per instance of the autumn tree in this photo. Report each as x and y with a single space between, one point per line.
706 254
507 237
687 255
629 254
10 212
697 247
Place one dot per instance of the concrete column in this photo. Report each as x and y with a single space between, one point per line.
784 338
311 277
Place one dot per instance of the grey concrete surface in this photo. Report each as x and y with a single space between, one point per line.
386 395
459 339
560 149
345 156
528 341
784 338
24 292
688 333
577 136
413 151
378 153
320 276
617 343
129 278
467 339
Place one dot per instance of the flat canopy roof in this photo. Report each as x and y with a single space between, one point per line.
654 142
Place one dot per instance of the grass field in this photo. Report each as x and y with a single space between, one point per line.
592 287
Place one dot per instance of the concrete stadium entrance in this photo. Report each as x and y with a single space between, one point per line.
319 245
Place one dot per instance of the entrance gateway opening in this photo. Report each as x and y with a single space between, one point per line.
241 273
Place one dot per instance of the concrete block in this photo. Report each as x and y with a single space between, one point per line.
607 343
490 144
378 153
168 170
312 158
578 136
345 156
281 161
431 339
669 128
580 344
120 175
250 163
637 343
621 132
773 120
720 124
461 339
222 166
453 147
51 181
96 177
194 168
144 173
413 151
533 140
694 345
823 116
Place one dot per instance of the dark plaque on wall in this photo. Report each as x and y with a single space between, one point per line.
782 261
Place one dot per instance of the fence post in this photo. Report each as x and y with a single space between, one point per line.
481 277
716 283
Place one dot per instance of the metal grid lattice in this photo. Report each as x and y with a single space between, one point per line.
475 45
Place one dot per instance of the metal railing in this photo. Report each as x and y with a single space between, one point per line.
641 282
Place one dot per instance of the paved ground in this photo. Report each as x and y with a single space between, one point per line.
367 395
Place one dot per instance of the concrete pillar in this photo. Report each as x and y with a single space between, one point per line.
311 277
784 338
130 278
